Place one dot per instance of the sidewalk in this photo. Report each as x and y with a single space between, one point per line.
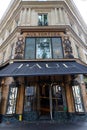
43 125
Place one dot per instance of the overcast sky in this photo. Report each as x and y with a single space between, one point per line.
81 4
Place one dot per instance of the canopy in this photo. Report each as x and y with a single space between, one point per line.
37 68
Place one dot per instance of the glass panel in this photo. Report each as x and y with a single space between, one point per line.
12 100
77 98
42 19
45 19
30 48
57 98
57 48
30 98
39 19
43 48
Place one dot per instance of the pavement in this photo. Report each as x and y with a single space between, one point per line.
44 125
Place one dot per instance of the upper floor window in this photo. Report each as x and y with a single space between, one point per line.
43 48
42 19
78 53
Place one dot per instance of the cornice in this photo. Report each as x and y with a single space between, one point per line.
15 4
56 28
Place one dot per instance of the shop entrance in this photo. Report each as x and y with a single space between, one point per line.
44 100
51 99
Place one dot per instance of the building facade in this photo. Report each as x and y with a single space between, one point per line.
43 61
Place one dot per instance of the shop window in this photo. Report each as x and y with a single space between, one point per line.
77 98
30 48
43 48
12 98
57 48
57 98
42 19
30 99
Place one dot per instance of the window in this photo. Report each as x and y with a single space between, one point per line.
42 20
85 81
57 98
57 48
11 105
30 48
30 96
77 98
78 54
43 48
12 52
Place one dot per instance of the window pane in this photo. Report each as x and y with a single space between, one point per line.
43 48
57 98
42 19
12 100
45 19
77 99
57 48
30 99
30 48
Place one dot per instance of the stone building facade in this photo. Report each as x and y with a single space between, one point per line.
43 61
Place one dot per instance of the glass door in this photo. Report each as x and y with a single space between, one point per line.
44 100
57 98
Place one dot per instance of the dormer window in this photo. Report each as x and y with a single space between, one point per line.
42 19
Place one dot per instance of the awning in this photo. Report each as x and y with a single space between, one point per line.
37 68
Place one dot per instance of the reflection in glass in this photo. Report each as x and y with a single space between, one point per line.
30 96
57 48
42 20
57 98
43 48
77 99
30 48
12 100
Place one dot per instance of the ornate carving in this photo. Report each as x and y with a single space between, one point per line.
68 48
19 50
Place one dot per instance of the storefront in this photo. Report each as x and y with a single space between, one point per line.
41 90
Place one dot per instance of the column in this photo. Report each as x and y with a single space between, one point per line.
28 16
14 25
6 34
69 96
24 17
20 17
20 98
52 17
56 17
66 18
61 16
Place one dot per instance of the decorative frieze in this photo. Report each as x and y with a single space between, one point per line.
45 34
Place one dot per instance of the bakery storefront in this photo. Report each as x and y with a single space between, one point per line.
41 84
49 91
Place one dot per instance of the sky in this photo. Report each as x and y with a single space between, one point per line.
81 4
